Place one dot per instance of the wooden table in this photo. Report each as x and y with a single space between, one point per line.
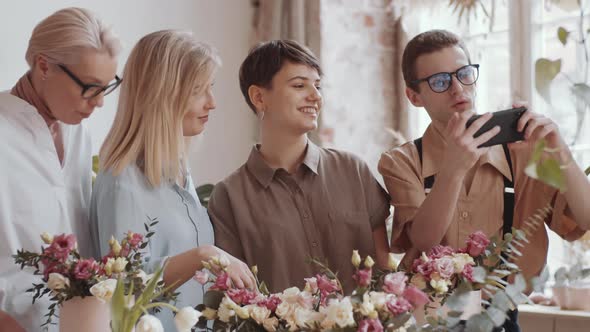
537 318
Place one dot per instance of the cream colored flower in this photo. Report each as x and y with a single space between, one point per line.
57 281
209 314
379 299
290 295
340 312
104 290
116 247
366 307
108 266
392 262
271 324
369 262
242 312
303 317
356 258
259 313
226 309
47 239
119 264
440 286
284 310
186 319
460 260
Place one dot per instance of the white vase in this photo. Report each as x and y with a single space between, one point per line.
85 314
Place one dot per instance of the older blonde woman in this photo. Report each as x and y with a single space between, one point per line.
46 156
166 98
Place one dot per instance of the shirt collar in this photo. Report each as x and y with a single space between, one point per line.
433 148
264 173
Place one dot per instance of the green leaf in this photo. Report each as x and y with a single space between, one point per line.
479 274
550 172
587 171
204 192
479 323
496 315
562 35
118 306
545 72
501 301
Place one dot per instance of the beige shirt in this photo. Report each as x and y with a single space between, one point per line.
480 208
278 221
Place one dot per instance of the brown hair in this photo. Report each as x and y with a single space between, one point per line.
266 59
426 43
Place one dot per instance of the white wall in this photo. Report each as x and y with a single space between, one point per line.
226 24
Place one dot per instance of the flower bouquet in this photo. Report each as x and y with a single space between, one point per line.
84 286
382 300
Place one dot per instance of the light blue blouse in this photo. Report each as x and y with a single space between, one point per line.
125 202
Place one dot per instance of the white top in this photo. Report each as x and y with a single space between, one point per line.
37 195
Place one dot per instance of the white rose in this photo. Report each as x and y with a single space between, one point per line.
271 324
379 299
259 314
104 290
186 318
440 286
56 281
340 312
47 239
284 310
242 312
108 266
149 323
460 260
303 317
290 295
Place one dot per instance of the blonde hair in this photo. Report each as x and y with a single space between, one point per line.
162 72
64 34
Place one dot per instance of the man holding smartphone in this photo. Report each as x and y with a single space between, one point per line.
445 185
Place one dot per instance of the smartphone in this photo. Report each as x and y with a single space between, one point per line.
507 120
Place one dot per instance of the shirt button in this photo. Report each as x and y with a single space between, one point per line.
464 214
305 215
314 244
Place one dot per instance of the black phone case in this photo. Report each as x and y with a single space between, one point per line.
507 120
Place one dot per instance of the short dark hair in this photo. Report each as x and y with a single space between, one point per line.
266 59
426 43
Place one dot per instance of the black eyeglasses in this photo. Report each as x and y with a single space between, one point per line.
90 91
441 82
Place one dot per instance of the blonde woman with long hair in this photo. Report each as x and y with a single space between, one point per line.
46 153
165 99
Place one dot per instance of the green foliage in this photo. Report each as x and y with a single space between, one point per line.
204 193
545 71
547 170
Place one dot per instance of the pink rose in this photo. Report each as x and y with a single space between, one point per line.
52 266
222 282
395 283
242 296
202 277
445 267
363 277
85 269
477 243
370 325
422 267
415 296
134 239
399 305
468 272
439 251
271 303
326 285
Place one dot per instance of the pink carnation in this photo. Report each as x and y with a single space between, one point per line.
468 272
477 243
61 247
242 296
134 239
222 283
271 303
326 285
395 283
444 266
370 325
422 267
439 251
363 277
399 305
85 268
415 296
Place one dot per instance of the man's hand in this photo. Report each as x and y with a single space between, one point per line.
463 150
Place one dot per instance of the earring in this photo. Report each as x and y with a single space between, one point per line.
261 115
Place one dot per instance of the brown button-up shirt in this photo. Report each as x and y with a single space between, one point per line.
278 221
480 208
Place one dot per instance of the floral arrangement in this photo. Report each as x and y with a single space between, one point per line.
382 300
66 275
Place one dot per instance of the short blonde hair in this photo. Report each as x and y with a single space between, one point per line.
162 72
64 34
